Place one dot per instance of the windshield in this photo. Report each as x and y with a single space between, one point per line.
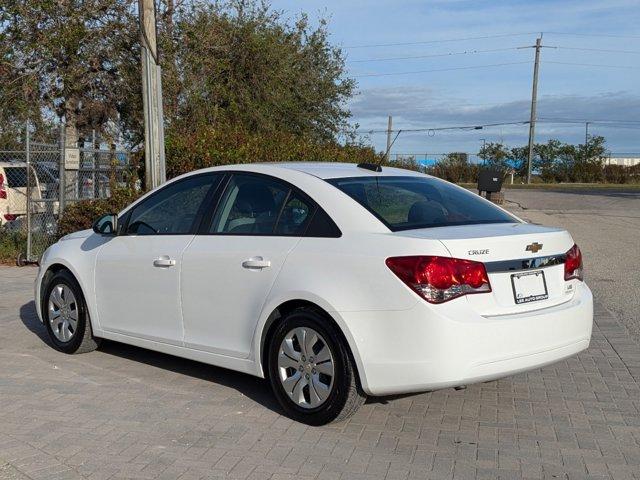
405 203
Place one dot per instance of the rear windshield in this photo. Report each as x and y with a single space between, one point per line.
16 176
405 203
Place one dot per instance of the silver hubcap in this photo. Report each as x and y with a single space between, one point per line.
63 312
305 367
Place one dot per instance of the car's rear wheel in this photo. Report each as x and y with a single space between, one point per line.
311 371
65 315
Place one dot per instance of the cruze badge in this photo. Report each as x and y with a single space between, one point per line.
478 252
534 247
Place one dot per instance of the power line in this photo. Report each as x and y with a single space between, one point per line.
426 42
448 54
604 35
438 70
604 50
457 127
627 67
583 120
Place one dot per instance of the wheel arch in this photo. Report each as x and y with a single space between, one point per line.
284 308
51 269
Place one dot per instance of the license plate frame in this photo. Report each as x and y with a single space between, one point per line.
532 289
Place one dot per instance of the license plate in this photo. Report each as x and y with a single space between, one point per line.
529 287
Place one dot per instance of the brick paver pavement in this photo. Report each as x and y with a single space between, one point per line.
123 412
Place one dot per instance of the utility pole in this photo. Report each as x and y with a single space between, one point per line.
534 101
586 134
151 96
389 142
484 144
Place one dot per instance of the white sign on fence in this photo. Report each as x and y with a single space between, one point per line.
71 159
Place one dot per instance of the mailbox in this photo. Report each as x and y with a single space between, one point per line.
489 180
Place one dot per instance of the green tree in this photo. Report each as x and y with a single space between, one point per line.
453 167
496 155
66 59
242 64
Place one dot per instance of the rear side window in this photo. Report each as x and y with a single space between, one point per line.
259 205
405 203
16 177
250 206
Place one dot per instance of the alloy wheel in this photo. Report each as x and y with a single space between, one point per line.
306 367
63 312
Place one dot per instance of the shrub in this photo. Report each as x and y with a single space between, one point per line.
11 244
221 145
81 215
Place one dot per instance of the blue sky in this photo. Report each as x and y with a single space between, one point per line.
469 90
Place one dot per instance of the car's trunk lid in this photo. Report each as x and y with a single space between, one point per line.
524 263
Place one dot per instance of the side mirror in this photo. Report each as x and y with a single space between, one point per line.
106 225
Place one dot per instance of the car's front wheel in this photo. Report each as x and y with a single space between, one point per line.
65 315
311 371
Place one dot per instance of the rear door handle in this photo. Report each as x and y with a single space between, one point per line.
163 262
256 263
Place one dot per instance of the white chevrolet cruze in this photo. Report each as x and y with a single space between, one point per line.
334 281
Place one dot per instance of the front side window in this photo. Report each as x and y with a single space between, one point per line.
252 205
405 203
172 210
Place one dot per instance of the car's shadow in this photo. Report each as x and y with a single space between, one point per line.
252 387
255 388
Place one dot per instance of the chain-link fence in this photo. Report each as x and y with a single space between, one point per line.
38 180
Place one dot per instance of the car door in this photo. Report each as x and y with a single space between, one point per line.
229 269
137 274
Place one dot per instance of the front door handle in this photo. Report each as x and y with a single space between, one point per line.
164 261
256 263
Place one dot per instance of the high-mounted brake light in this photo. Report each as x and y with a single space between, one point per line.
573 264
439 279
3 190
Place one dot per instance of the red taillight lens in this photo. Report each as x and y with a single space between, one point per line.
573 264
439 279
9 217
3 191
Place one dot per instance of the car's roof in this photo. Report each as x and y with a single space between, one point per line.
327 170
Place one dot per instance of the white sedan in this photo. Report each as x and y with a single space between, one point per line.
334 281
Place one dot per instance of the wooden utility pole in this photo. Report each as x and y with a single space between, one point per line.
534 101
155 173
389 142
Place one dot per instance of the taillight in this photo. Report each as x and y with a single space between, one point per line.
573 264
3 190
439 279
9 217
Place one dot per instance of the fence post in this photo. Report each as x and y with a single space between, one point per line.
61 179
28 200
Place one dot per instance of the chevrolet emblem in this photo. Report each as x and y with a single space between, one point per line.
534 247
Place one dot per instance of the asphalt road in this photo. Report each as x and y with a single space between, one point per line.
606 226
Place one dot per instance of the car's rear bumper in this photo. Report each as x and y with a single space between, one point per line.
426 348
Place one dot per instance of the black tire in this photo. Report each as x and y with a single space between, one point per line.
21 260
345 397
82 340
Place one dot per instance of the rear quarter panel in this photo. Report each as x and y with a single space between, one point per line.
346 274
